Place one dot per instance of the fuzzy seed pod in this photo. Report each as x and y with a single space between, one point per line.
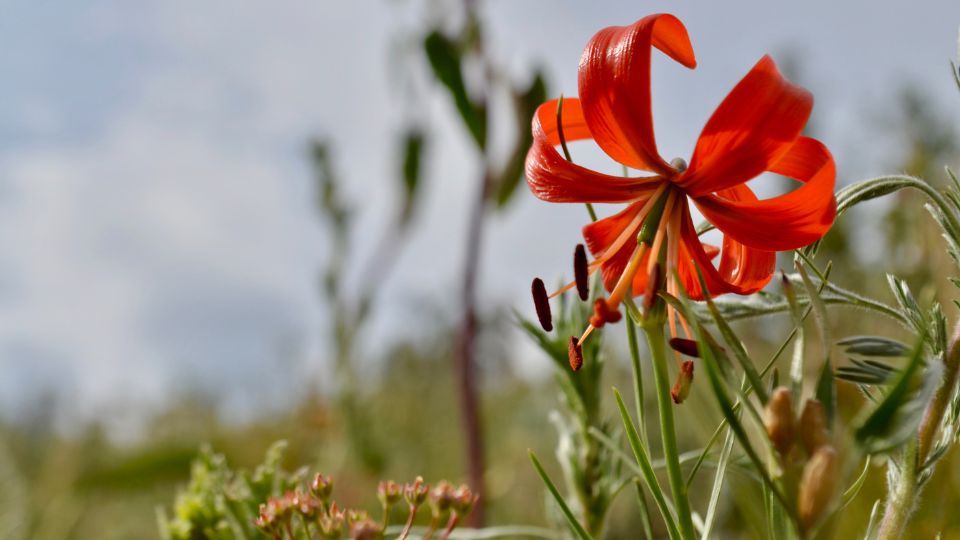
817 486
813 426
778 419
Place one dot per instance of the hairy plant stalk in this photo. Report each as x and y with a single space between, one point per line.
902 498
937 408
905 495
658 357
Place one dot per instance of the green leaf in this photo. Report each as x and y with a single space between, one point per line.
877 346
739 352
718 484
643 460
525 105
446 60
575 525
897 416
852 492
826 392
718 385
413 145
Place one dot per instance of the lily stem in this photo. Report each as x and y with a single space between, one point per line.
658 356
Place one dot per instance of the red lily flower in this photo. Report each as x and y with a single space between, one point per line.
755 129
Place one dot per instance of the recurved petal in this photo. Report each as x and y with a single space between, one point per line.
749 132
789 221
743 270
552 178
614 87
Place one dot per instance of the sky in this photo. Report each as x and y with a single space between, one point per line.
157 229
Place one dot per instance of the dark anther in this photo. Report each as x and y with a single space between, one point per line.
580 272
575 353
542 303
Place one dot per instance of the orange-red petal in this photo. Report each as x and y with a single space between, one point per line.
614 87
789 221
743 270
554 179
602 234
751 129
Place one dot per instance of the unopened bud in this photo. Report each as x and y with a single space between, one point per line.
778 419
464 499
542 304
581 273
321 487
813 426
331 526
365 529
389 493
681 389
415 492
307 505
356 516
575 353
441 498
817 486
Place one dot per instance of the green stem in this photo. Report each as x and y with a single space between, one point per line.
902 498
658 357
637 377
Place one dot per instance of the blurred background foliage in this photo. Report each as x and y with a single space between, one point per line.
400 418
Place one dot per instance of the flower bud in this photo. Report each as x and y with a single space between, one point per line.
817 486
464 499
681 389
365 529
778 420
813 426
389 493
442 497
321 487
356 516
416 492
331 526
307 505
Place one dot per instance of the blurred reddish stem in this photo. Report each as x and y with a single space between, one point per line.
466 353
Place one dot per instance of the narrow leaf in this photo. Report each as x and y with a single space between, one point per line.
567 513
643 460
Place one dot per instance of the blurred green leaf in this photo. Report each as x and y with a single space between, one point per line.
874 346
575 525
413 146
897 416
446 60
649 476
525 105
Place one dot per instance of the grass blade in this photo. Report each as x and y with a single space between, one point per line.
567 513
649 476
